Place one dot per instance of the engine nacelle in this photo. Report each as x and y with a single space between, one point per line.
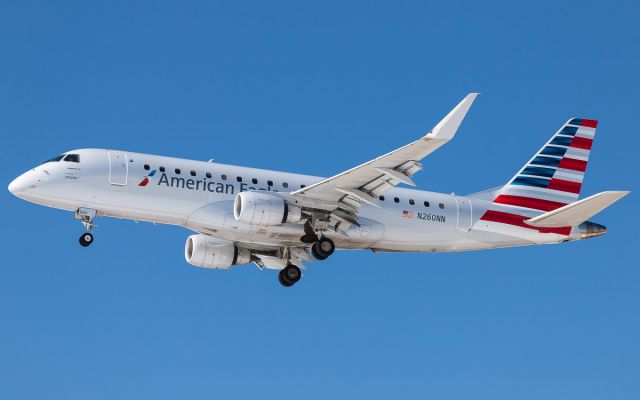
256 208
204 251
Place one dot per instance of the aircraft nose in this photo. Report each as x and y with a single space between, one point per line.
16 186
20 184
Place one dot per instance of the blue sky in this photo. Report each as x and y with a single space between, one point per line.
317 87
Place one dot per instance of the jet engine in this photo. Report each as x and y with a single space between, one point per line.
204 251
257 208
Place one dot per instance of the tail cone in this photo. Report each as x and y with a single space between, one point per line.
591 229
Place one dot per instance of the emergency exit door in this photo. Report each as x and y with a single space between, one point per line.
118 168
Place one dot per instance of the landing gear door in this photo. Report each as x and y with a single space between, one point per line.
118 168
464 214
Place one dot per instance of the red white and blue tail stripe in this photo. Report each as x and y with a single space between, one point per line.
553 177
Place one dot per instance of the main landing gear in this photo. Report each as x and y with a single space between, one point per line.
323 248
86 216
289 275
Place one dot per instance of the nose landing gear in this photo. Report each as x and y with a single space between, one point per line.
86 216
86 239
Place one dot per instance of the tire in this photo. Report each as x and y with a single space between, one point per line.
292 273
323 248
315 253
281 279
289 275
86 239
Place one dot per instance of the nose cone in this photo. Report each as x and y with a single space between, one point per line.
24 183
18 185
591 229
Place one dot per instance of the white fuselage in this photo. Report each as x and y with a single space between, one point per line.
199 196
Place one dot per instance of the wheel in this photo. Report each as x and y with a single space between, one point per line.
282 280
86 239
323 248
315 253
289 275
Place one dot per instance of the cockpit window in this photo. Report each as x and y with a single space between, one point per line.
72 158
54 159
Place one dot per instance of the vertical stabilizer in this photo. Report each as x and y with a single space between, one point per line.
553 177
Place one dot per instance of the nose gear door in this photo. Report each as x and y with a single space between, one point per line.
118 168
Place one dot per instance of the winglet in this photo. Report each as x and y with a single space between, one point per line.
450 124
575 213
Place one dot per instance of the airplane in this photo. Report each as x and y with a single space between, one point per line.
279 220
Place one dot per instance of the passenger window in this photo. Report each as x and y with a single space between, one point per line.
161 169
270 183
396 199
441 205
208 174
412 202
239 178
426 204
147 167
72 158
254 181
381 198
193 173
224 177
285 185
177 171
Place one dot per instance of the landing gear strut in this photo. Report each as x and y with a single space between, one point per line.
323 248
289 275
86 216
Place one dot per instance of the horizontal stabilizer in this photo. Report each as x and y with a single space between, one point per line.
576 213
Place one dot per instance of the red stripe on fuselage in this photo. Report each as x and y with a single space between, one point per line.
528 202
573 164
564 186
581 143
518 220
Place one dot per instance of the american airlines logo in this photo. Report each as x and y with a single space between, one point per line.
203 185
145 181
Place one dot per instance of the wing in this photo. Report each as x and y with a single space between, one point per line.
344 193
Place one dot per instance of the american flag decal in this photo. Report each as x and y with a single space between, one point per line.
407 214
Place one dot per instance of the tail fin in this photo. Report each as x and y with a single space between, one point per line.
553 177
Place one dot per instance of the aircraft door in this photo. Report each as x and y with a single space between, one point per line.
464 214
118 168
